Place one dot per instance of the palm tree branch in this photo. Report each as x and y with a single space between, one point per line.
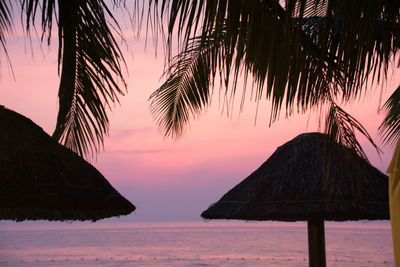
6 25
341 126
302 53
91 64
390 127
187 88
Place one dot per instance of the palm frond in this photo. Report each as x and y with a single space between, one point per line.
90 62
186 90
6 23
390 127
5 19
283 69
299 54
341 126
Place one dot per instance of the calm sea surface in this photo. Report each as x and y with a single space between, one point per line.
226 243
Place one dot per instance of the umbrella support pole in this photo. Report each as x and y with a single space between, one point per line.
316 243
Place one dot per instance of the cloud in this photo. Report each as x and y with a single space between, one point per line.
125 133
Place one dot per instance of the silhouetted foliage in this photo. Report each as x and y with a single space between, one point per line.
302 54
90 63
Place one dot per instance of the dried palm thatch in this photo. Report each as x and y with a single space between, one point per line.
297 183
42 180
302 182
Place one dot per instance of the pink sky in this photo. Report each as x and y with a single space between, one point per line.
169 179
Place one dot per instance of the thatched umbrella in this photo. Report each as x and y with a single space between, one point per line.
42 180
297 183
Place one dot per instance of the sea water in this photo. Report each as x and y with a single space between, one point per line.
222 243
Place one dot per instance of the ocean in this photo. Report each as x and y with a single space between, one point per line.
203 243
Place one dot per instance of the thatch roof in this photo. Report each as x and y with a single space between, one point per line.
291 186
41 179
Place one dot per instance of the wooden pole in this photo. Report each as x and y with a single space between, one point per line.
316 243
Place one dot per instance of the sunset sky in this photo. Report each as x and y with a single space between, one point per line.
169 180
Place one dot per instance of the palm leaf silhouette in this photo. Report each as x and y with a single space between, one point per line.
90 67
300 55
